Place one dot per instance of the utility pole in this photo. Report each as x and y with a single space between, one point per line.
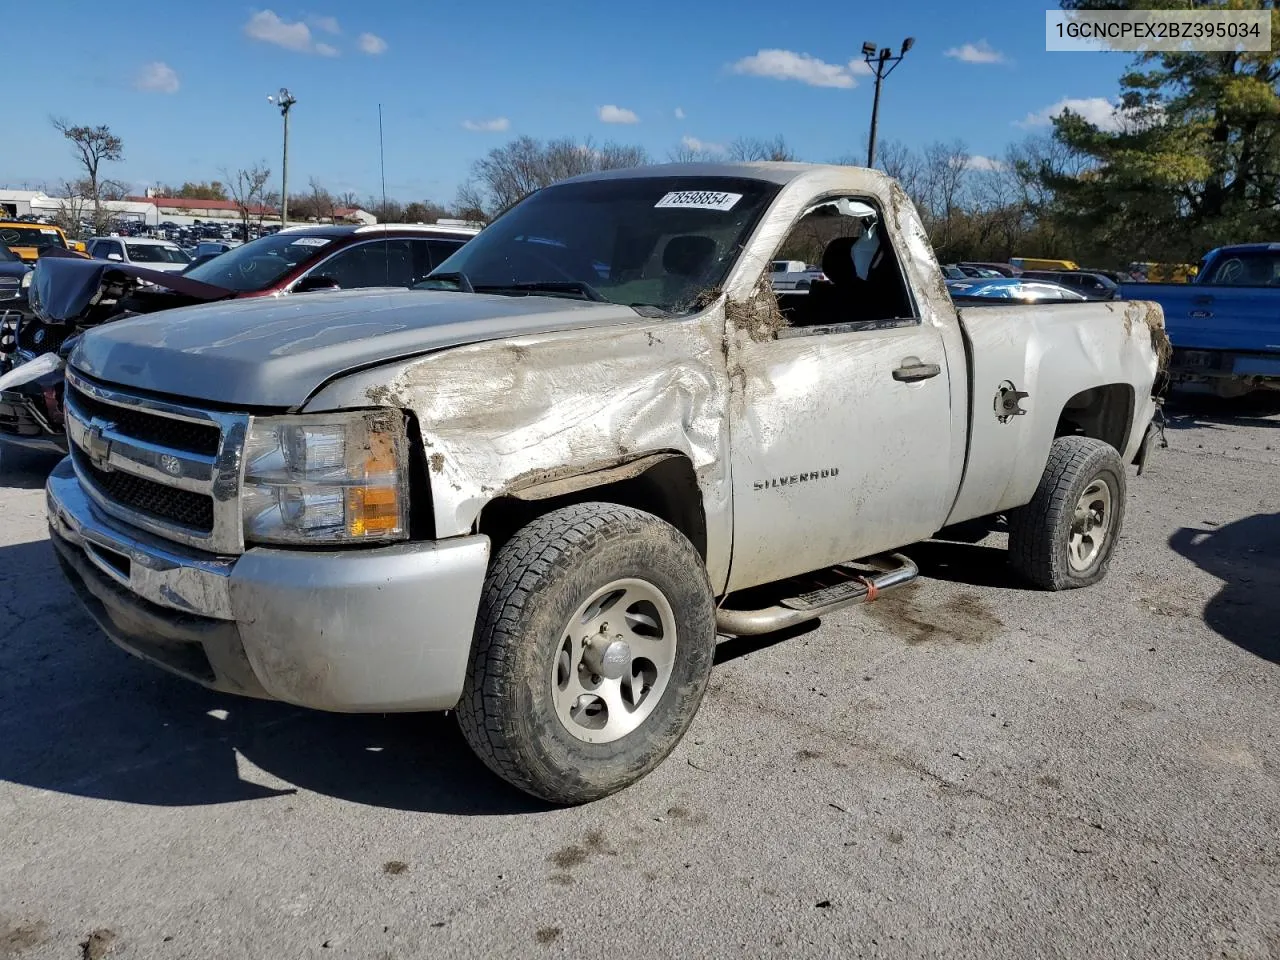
284 100
382 164
882 64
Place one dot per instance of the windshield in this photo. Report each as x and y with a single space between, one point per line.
647 242
38 237
258 264
1247 268
155 253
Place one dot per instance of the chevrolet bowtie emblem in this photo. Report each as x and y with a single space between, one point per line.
96 445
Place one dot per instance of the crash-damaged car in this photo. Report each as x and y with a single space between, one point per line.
535 490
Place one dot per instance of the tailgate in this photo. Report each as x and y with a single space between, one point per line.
1227 318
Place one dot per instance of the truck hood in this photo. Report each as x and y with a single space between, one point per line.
276 351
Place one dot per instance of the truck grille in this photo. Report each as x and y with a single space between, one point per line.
162 431
169 504
166 468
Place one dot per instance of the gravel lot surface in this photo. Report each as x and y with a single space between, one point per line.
964 769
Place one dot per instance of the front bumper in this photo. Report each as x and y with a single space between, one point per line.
361 630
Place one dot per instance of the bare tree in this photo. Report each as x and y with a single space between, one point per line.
424 211
392 211
72 206
509 173
347 200
754 148
92 147
469 204
899 162
322 201
684 153
248 191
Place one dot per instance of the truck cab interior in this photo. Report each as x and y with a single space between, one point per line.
863 282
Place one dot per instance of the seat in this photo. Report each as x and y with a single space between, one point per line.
829 300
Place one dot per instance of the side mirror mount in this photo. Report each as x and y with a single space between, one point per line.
314 282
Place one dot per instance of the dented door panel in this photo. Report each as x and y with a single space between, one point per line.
834 458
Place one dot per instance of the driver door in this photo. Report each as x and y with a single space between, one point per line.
841 427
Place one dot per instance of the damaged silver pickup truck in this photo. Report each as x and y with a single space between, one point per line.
535 489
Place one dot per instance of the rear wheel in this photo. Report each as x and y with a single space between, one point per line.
593 648
1065 537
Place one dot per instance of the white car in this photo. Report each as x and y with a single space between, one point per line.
163 255
793 276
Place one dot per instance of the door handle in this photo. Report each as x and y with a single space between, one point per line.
913 370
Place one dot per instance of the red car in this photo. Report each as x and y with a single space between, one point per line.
317 258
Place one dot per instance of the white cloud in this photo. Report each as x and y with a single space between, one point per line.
679 113
325 50
157 77
327 24
1097 110
611 114
979 52
496 125
372 44
789 65
701 146
860 68
269 28
978 162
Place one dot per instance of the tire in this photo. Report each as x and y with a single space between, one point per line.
1064 539
531 688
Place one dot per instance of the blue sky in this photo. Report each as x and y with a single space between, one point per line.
185 84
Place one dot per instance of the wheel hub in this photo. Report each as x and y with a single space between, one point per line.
614 661
1090 526
606 658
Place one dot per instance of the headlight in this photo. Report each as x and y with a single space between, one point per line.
326 478
26 279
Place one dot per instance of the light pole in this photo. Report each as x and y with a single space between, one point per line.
882 64
284 100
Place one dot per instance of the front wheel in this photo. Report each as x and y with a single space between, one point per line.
593 648
1065 537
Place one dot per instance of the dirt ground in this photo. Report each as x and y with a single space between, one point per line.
965 769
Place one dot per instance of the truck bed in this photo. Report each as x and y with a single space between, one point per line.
1056 347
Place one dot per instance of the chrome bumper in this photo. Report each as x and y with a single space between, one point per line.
376 630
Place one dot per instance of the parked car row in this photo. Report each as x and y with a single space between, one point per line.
131 276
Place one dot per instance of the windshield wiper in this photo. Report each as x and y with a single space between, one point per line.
457 276
584 290
649 310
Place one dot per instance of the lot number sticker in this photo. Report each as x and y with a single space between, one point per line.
699 200
309 242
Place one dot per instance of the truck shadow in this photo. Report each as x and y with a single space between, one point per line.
1185 411
974 564
24 469
80 716
1245 555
